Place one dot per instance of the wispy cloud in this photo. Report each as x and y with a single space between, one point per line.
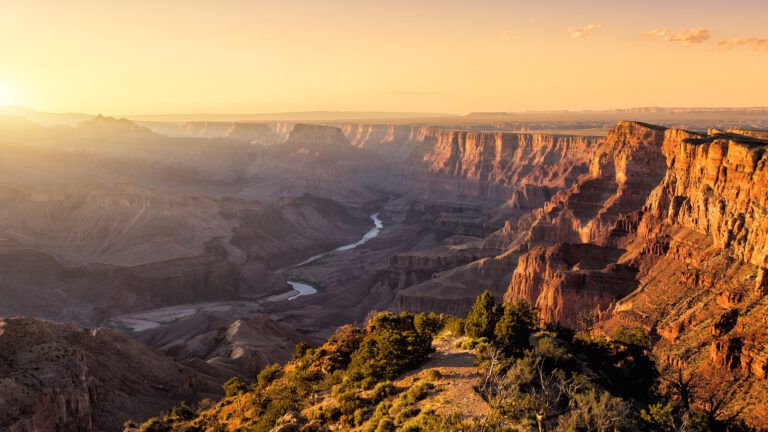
686 37
690 37
584 31
655 34
757 44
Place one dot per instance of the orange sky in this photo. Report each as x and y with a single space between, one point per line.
229 56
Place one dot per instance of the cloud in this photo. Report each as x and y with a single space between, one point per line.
689 37
757 44
655 34
584 31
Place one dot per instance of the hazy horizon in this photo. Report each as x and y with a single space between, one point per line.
418 56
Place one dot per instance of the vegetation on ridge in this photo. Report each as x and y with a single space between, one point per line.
532 378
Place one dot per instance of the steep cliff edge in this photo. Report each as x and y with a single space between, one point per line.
700 241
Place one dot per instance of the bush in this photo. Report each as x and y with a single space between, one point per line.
382 391
429 324
234 386
433 375
455 326
514 329
597 411
182 412
301 350
269 374
391 347
406 413
385 425
482 318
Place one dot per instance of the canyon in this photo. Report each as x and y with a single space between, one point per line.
177 242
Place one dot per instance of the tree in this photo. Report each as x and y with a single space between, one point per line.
390 347
514 329
481 321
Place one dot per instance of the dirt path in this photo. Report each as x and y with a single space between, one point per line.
455 392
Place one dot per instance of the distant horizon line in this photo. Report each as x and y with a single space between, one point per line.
414 114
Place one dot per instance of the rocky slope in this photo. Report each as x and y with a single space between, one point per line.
679 216
228 347
62 377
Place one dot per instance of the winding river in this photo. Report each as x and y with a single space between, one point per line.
305 289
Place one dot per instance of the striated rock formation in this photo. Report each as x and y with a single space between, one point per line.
565 280
62 377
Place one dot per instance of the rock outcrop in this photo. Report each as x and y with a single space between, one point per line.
62 377
566 281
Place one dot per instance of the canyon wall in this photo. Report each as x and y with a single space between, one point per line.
62 377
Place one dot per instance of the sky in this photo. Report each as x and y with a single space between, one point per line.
447 56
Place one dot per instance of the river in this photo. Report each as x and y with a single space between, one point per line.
304 289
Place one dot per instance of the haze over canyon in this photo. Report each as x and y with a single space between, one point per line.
145 262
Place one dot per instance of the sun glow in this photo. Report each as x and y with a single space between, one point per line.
6 95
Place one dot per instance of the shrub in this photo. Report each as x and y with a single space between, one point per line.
301 350
269 374
433 375
597 411
455 326
234 386
382 391
385 425
481 321
514 329
155 424
391 347
182 412
406 413
417 391
429 324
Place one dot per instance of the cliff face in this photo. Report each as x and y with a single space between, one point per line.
716 186
498 161
700 241
683 218
622 173
567 280
61 377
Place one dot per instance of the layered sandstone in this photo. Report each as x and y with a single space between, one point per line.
565 281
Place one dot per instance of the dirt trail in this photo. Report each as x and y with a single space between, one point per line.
455 391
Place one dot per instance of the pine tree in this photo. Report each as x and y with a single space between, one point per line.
515 327
481 321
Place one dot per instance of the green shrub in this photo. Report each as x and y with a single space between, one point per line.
234 386
406 413
269 374
301 350
382 391
429 324
385 425
391 347
433 375
482 318
156 424
455 326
